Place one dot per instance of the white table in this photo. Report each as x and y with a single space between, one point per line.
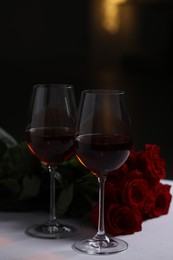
154 242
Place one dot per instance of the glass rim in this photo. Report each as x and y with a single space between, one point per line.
103 91
53 85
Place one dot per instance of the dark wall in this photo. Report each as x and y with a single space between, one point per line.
63 41
39 42
138 59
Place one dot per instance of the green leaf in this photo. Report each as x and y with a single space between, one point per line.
31 187
64 200
8 140
11 185
24 180
3 149
58 177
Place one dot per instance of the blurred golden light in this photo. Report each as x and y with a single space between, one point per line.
111 20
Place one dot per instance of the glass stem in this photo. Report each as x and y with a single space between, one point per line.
101 226
52 216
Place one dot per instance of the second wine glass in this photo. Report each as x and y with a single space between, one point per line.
103 142
50 137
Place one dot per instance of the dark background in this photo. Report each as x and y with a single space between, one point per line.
66 42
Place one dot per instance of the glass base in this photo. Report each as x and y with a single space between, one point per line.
93 247
51 231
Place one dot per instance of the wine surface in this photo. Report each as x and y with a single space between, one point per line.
51 145
102 154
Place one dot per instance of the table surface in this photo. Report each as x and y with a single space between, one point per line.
154 242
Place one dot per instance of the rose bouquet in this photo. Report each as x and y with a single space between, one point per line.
134 193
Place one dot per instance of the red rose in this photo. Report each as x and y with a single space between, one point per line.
119 220
162 200
149 205
112 191
151 163
132 160
119 177
135 191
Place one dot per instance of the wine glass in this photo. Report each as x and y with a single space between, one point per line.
103 142
50 137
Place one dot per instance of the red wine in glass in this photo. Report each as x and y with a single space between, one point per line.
103 141
102 153
51 145
50 137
